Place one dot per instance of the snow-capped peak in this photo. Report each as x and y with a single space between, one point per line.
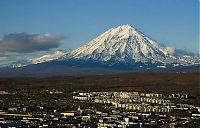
123 43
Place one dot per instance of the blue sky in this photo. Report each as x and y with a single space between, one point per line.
171 22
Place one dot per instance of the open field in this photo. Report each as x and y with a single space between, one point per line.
151 82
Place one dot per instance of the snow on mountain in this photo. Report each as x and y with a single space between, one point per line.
49 57
126 44
40 59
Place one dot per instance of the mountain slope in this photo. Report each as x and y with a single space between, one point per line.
40 59
49 57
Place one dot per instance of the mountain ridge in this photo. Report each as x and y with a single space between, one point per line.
122 47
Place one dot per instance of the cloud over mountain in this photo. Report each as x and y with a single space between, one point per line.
25 43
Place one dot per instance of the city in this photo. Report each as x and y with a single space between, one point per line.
97 109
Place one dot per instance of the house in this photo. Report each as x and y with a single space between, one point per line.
69 113
12 109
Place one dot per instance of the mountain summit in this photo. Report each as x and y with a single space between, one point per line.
125 44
